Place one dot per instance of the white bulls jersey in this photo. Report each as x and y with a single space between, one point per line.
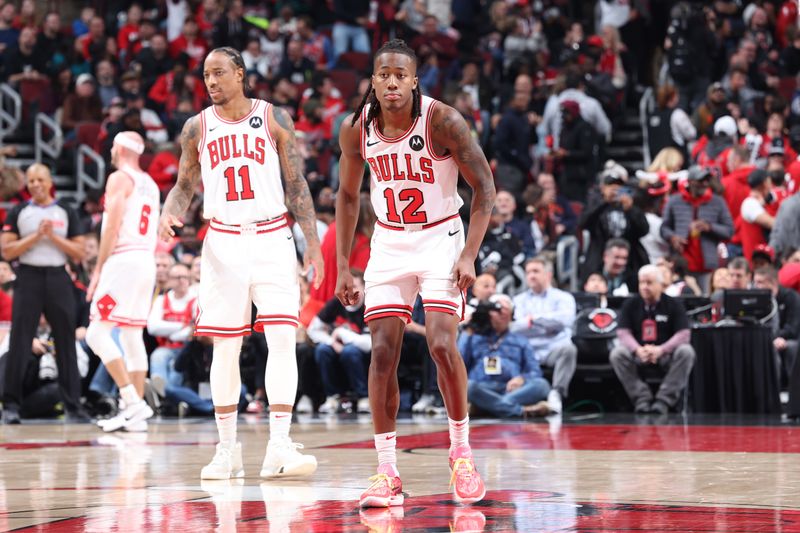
410 185
140 222
240 167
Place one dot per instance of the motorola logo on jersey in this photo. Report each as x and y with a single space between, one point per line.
235 146
256 122
416 143
391 167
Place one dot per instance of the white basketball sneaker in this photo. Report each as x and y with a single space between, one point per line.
226 464
130 416
283 460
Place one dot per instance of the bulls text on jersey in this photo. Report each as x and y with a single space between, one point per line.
237 145
389 167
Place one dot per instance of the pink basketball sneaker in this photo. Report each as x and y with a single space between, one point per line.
386 489
467 484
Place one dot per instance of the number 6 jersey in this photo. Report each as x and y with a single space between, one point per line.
410 184
240 167
138 231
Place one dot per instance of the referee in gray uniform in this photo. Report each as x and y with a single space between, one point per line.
43 235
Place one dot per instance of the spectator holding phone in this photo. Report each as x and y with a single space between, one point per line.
614 216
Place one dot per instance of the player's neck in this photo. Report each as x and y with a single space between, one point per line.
395 121
235 108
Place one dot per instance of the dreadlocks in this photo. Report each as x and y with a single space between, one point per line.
395 46
237 60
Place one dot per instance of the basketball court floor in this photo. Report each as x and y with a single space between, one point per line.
586 473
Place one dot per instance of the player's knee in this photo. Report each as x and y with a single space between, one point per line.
442 349
383 354
98 337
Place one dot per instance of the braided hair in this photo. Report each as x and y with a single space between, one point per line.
395 46
237 60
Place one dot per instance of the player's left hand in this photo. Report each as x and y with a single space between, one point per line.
313 259
464 273
92 286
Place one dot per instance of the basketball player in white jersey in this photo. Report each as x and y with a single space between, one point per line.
241 148
121 288
415 148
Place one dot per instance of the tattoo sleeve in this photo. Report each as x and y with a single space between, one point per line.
298 197
450 130
180 196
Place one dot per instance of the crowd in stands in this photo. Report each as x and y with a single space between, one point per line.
544 85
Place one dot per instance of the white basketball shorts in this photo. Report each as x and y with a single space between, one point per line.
242 265
404 263
124 292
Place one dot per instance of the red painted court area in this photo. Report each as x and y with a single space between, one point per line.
518 511
752 439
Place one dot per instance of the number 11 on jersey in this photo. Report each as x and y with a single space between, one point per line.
244 175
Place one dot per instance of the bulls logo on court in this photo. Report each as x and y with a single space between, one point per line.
256 122
602 320
416 143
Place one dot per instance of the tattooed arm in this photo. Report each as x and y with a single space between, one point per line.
298 197
351 172
450 134
180 196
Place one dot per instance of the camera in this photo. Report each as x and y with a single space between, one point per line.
480 322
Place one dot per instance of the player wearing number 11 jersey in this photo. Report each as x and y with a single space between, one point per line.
241 148
415 148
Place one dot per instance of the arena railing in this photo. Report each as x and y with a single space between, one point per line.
10 116
646 107
51 147
83 176
567 262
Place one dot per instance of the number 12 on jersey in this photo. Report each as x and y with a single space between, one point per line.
411 213
230 178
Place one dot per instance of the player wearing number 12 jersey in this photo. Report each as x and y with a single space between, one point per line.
121 289
415 148
241 148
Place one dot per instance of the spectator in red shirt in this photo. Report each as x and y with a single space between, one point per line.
316 46
735 182
129 32
755 222
164 167
93 44
191 43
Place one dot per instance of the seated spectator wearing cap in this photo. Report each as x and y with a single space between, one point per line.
785 326
614 216
776 166
505 379
755 222
695 221
775 142
545 315
83 105
714 151
653 331
763 255
707 113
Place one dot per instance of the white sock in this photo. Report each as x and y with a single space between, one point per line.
386 444
279 424
129 395
459 432
226 426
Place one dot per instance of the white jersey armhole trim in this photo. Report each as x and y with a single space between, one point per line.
272 141
202 135
429 137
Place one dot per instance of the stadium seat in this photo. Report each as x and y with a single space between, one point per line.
88 133
355 60
346 81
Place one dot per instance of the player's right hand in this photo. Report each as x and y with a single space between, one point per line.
345 288
165 225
